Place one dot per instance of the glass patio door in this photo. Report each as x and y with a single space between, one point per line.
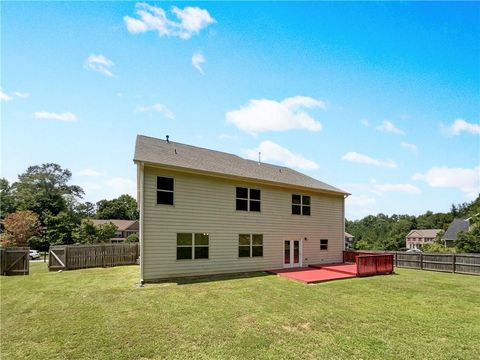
292 253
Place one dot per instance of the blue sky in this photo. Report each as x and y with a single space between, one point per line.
380 99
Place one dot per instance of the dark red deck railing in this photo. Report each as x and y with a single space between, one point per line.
370 264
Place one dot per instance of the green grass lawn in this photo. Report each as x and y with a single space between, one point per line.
102 314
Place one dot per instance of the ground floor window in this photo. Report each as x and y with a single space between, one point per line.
250 245
191 246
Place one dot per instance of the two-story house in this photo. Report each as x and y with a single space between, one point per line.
125 228
208 212
415 239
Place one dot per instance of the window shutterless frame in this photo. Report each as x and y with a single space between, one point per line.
192 246
301 204
323 244
250 245
247 199
165 190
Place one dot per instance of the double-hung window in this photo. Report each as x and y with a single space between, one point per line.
164 190
250 245
323 244
300 204
247 199
192 246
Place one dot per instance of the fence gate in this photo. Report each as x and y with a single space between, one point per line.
57 258
15 261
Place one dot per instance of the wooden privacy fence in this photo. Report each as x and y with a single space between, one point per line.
14 261
374 264
70 257
446 262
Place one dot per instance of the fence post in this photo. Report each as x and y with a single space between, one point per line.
421 261
454 260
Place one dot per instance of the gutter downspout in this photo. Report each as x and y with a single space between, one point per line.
141 201
343 215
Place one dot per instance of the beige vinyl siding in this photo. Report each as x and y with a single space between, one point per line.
206 204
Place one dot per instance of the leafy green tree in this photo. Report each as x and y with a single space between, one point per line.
43 189
7 200
121 208
133 238
86 233
59 228
105 232
437 247
19 227
469 242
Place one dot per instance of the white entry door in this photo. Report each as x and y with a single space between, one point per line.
292 253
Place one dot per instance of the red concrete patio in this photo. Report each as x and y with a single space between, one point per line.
319 273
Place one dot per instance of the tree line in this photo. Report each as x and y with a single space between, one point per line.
42 208
383 232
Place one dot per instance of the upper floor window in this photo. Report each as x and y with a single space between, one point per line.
250 245
248 199
324 244
300 204
192 246
164 190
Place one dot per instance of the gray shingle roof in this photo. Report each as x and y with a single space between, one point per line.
455 227
157 151
120 224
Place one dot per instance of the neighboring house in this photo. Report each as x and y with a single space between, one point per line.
125 228
415 239
454 228
348 240
208 212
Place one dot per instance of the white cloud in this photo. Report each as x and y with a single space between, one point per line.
8 97
380 189
190 21
4 96
409 146
387 126
270 115
365 159
89 172
365 122
90 187
271 152
119 186
460 125
360 200
160 108
197 61
99 63
465 179
65 116
21 94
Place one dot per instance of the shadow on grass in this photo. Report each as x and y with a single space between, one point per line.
211 278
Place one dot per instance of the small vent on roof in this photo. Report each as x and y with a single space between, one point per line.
259 158
168 138
175 151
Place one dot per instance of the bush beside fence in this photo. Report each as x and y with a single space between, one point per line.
70 257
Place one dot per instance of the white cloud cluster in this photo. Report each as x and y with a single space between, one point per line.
190 21
89 172
387 126
99 63
365 122
467 180
460 125
8 97
109 188
365 159
409 146
272 152
360 200
270 115
65 116
381 189
160 108
197 60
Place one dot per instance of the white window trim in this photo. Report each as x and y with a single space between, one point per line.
324 245
167 191
250 247
302 205
193 246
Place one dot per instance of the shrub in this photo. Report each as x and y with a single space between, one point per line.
133 238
